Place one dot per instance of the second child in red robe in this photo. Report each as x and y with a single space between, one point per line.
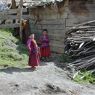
45 47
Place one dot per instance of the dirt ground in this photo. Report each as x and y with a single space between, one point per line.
47 79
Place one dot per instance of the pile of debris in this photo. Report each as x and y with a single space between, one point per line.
80 46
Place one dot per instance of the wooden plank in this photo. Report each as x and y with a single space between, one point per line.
12 11
54 27
53 21
9 25
14 17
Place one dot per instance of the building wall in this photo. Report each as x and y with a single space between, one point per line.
59 19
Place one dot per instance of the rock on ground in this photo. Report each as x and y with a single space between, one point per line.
45 80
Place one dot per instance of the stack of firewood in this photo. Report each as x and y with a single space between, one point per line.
80 46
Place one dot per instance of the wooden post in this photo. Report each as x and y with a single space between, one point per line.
20 7
13 4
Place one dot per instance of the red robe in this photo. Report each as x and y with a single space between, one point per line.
34 58
45 48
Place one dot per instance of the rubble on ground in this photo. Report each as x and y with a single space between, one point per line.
47 79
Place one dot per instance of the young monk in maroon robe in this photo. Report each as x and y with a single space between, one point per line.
34 54
45 47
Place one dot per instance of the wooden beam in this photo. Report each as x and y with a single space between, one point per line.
12 11
5 17
13 4
9 25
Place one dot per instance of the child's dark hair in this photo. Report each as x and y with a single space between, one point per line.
45 30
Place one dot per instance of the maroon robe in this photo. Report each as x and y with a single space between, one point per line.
34 58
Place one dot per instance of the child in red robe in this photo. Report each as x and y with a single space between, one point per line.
45 47
34 57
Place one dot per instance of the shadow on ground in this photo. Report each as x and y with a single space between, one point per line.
10 70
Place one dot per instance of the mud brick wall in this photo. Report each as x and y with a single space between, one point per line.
58 20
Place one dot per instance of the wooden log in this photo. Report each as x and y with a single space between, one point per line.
87 65
74 29
85 23
85 55
76 38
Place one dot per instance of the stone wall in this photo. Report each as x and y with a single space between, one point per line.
59 20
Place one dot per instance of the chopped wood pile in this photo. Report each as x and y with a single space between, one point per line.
80 46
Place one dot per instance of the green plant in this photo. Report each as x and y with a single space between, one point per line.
85 77
12 52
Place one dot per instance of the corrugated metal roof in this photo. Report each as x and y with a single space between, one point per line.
9 1
30 2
